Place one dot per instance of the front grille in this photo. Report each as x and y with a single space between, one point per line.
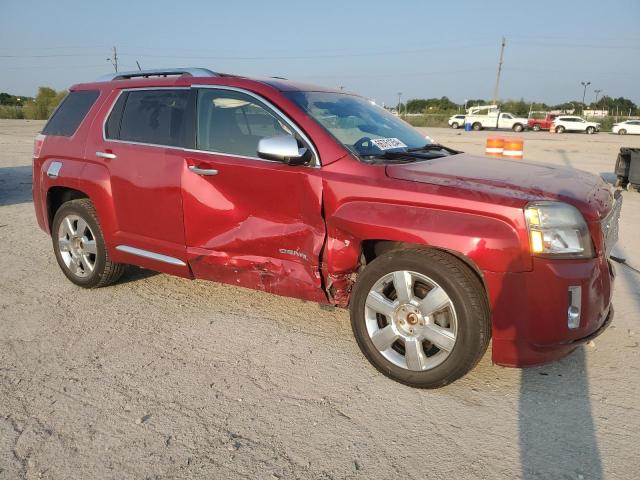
609 224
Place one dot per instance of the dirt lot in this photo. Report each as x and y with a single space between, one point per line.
157 377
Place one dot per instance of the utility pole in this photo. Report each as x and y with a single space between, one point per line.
584 93
495 90
597 92
399 102
114 59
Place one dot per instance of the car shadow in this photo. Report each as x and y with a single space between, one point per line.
135 274
557 435
15 185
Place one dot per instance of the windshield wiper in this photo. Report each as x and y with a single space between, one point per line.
429 147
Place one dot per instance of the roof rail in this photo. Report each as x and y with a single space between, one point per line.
158 72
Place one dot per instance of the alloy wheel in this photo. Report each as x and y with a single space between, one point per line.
77 245
411 320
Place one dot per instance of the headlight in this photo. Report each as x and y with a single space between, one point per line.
557 230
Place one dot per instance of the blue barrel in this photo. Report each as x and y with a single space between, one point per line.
467 127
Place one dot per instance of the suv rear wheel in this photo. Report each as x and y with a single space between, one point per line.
79 246
421 317
560 129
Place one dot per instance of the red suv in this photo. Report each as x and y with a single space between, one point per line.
322 195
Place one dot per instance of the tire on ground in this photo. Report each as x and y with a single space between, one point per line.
469 299
106 272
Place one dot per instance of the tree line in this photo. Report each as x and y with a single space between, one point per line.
443 105
39 107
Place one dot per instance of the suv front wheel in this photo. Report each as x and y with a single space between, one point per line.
79 246
420 316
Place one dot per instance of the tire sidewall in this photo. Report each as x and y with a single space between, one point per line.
468 330
76 208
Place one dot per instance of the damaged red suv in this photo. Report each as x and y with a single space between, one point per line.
318 194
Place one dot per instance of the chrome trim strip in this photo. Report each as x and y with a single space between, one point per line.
151 255
316 163
54 169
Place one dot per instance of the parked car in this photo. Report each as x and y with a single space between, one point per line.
490 116
456 121
631 127
537 124
319 194
568 123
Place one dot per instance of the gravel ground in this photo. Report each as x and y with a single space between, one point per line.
160 377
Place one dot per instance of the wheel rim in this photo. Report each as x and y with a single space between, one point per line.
77 245
411 320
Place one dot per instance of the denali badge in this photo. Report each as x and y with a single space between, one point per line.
295 253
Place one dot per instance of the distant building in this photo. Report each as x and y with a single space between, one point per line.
596 113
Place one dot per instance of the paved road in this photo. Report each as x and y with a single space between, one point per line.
160 377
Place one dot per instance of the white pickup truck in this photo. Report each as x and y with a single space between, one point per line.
490 116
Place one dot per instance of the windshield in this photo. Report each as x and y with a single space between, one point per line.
359 124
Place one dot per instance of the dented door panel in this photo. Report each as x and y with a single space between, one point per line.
255 223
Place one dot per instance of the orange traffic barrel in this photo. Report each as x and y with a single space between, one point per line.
513 148
552 127
495 146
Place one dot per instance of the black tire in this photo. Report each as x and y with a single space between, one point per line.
477 126
536 128
454 125
560 129
105 271
518 127
467 294
622 131
590 130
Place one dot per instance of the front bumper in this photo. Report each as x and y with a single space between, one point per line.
529 309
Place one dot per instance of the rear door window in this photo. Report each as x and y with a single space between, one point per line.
156 117
69 115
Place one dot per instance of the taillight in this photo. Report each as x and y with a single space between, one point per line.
37 145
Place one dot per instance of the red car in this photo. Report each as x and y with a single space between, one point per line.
321 195
537 124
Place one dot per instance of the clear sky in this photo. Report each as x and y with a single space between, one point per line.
376 48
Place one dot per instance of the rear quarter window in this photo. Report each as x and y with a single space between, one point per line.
69 115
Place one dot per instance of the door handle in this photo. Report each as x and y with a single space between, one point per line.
207 172
108 156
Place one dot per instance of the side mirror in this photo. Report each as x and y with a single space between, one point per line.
283 148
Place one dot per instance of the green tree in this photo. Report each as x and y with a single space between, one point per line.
43 105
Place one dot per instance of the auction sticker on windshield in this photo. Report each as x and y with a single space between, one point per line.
387 143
